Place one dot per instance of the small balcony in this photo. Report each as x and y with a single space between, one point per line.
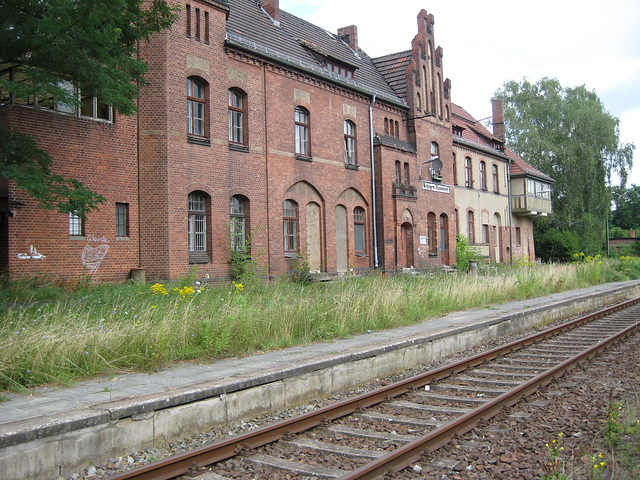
531 206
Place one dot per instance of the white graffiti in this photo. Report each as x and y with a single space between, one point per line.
92 257
32 255
93 238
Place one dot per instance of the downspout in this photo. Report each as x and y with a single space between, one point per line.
373 187
510 214
138 161
266 169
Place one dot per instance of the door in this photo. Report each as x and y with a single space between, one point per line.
406 253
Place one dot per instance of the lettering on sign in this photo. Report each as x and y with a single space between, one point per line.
435 187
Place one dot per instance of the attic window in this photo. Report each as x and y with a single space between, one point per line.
339 69
457 131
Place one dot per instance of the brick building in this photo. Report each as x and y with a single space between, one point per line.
295 140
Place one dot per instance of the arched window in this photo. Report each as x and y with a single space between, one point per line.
359 230
418 102
350 143
196 107
468 172
237 117
496 184
238 207
398 173
290 227
470 227
483 176
386 125
198 242
397 129
303 145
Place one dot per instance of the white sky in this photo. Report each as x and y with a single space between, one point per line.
485 44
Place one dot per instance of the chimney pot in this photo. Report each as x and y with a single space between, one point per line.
498 118
350 35
272 7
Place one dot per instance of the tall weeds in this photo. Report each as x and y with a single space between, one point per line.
90 331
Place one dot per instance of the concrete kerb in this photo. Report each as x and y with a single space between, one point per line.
120 427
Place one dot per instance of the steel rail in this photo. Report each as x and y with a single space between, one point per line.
224 449
412 451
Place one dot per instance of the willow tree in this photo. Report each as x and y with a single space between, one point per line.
568 134
90 44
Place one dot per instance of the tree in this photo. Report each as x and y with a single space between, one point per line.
627 207
567 134
88 44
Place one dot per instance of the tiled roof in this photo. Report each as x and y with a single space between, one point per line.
476 134
393 67
295 41
393 142
520 167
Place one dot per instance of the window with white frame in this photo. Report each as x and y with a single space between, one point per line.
483 175
290 227
197 228
76 225
195 107
237 117
302 132
238 223
349 143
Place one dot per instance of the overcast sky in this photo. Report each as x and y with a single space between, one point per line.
485 44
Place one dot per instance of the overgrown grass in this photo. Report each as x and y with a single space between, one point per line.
54 335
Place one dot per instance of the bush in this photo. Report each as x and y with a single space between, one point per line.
557 246
465 253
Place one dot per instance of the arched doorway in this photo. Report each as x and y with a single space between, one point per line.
406 245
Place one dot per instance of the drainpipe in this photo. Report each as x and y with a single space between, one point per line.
373 186
510 214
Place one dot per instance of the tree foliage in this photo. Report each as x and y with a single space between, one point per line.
90 43
626 214
568 134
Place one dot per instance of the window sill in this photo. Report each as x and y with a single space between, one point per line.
304 158
238 147
290 255
199 258
123 239
76 237
351 166
205 142
361 254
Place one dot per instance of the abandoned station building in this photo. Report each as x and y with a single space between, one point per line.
258 130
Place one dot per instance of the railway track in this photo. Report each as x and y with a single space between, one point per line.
388 429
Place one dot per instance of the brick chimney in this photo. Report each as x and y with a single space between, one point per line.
272 7
350 35
498 118
632 234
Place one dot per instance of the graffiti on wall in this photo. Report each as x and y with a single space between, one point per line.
32 255
92 257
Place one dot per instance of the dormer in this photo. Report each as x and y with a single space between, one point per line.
334 65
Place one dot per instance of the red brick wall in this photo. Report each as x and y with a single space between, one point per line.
101 155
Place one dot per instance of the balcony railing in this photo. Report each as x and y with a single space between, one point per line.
530 205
